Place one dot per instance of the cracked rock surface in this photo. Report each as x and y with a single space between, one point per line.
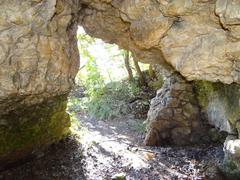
198 38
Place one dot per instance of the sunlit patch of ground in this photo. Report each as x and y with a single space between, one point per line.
115 146
97 150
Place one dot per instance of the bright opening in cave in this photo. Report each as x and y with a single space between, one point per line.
109 104
108 77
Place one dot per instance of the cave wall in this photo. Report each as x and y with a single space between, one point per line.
175 116
39 55
38 63
220 104
39 60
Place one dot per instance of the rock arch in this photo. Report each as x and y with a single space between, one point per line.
39 60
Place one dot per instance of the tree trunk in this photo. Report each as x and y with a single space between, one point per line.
141 76
151 72
127 65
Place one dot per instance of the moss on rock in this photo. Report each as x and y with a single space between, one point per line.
226 96
221 104
29 129
204 90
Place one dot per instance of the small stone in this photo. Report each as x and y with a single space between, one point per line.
119 176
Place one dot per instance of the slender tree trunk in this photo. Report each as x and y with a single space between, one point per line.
141 76
151 72
127 65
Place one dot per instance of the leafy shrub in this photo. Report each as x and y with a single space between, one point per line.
112 103
103 101
74 105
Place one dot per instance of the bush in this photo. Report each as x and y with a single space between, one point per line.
112 103
104 101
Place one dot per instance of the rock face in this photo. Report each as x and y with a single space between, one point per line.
220 103
174 116
38 63
199 38
39 56
39 60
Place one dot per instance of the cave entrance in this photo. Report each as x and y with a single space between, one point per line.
109 103
110 82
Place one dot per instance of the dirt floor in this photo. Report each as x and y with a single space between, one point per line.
100 150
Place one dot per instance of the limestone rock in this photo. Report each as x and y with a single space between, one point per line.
27 131
228 12
199 38
39 55
174 115
38 63
232 155
220 103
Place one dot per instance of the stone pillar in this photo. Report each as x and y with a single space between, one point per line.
38 63
174 116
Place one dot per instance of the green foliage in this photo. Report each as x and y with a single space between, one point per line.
123 89
99 108
85 42
112 103
74 105
94 82
140 127
103 101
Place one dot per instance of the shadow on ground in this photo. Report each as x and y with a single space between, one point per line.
116 146
99 150
61 161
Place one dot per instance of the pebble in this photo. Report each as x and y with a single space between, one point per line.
119 176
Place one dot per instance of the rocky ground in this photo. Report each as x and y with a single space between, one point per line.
115 147
103 149
62 161
107 149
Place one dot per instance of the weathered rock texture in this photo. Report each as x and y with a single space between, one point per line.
199 38
220 104
232 154
38 55
38 63
39 59
174 116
